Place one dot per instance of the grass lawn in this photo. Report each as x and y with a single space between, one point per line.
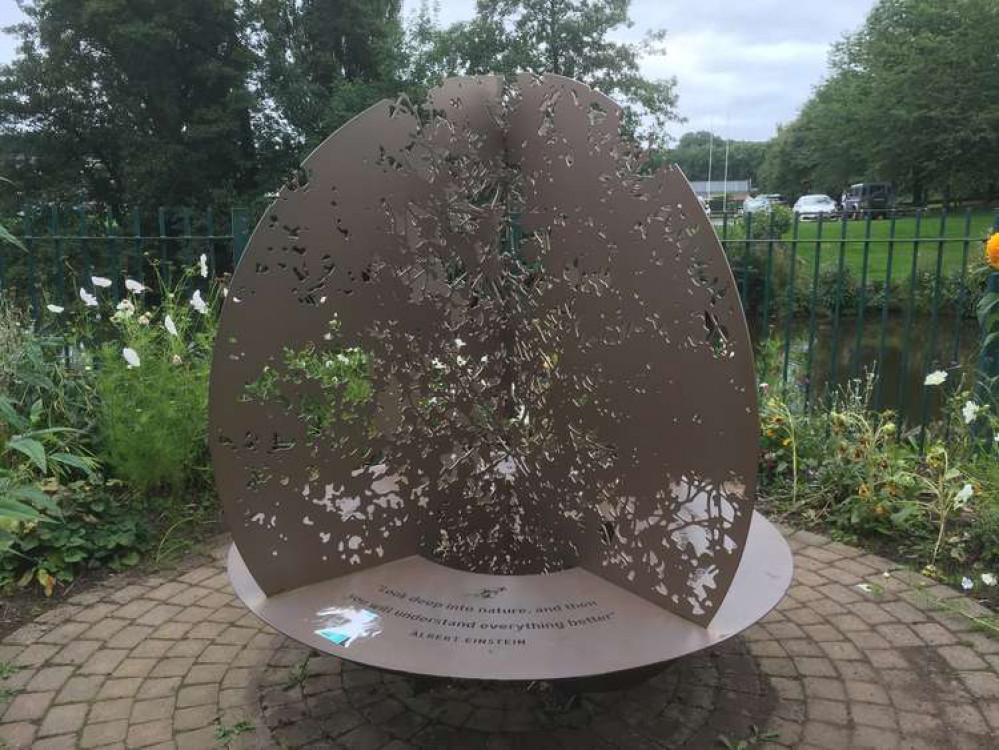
951 233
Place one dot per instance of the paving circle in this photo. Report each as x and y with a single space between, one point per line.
690 704
850 659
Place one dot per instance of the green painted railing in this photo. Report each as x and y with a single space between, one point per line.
65 248
839 297
834 298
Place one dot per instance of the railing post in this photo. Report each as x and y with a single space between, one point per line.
240 233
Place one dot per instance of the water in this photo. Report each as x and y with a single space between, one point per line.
901 364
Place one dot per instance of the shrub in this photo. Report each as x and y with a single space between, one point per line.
153 389
89 529
847 468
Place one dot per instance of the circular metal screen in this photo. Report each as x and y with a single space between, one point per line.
478 332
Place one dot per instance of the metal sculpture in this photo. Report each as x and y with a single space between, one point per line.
480 380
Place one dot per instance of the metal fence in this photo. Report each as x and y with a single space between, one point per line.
828 299
893 295
66 248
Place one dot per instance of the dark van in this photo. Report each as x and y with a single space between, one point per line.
876 198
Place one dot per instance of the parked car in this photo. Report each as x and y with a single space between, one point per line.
756 203
776 199
876 198
810 207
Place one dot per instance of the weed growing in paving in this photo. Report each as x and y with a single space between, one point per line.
226 735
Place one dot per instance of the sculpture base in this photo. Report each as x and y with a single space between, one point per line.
416 616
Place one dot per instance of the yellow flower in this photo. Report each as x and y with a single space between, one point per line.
786 442
992 251
864 491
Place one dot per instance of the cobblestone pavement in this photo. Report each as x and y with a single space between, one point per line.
175 661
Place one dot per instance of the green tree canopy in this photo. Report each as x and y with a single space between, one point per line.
323 61
135 103
569 37
912 97
119 101
695 149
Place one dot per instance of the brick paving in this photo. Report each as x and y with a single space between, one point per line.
850 659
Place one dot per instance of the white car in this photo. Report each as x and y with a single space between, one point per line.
815 206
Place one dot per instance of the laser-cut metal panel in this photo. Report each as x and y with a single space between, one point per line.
476 332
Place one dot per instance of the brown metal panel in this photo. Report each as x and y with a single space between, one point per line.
394 377
416 616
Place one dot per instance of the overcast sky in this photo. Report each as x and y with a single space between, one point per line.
742 65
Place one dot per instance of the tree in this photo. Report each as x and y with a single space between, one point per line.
912 97
323 61
129 103
694 151
568 37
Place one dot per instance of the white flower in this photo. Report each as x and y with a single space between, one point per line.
54 309
970 411
176 359
131 356
136 287
935 378
865 587
169 325
203 265
88 299
144 319
100 281
963 496
989 579
343 359
198 303
126 308
967 584
458 343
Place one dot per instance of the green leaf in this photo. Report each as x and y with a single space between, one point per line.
9 414
84 464
6 540
32 449
899 517
37 498
17 511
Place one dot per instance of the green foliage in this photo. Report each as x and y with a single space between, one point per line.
118 103
574 38
152 417
33 453
226 734
892 108
696 150
93 529
342 377
321 63
64 418
124 106
846 468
